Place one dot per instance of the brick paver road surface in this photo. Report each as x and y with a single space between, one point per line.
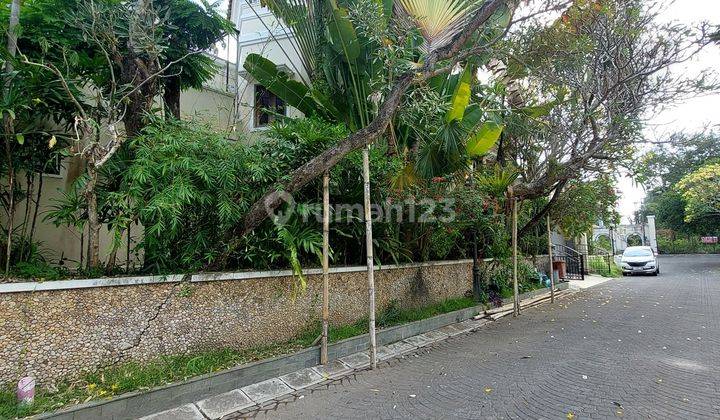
640 347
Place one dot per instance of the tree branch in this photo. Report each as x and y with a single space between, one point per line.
542 213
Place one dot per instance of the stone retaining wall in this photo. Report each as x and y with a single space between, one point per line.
59 330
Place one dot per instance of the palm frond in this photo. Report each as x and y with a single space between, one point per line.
439 21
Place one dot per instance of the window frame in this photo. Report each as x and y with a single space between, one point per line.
257 111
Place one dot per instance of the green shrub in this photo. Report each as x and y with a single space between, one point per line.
686 246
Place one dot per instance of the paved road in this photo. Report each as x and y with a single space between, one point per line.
640 347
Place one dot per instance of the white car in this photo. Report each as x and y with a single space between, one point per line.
639 260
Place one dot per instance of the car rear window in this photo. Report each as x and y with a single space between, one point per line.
638 253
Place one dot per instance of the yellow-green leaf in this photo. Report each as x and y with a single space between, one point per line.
52 142
405 178
20 138
485 138
461 96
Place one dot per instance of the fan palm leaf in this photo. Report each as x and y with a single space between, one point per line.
439 21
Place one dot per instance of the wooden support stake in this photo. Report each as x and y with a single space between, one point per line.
326 268
370 261
550 256
516 289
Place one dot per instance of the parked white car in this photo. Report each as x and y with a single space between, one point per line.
639 260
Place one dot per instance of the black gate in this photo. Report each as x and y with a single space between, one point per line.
569 263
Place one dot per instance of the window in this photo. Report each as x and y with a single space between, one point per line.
267 107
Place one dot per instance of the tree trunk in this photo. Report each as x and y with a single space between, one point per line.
29 189
37 207
327 159
516 291
11 199
93 257
171 96
9 130
135 72
112 259
550 257
545 210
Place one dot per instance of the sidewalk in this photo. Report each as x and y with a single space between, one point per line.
260 393
279 388
590 281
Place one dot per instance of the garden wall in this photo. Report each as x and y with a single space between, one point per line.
59 330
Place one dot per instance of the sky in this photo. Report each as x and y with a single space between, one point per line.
692 115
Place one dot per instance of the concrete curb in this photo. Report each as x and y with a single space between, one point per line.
196 278
183 394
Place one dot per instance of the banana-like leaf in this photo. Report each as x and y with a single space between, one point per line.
328 105
461 96
342 34
485 138
292 92
472 117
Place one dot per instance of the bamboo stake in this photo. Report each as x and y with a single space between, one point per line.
9 130
516 289
550 256
326 268
370 262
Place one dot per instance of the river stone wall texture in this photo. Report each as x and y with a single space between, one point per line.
61 334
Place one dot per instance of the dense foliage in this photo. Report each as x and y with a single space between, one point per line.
681 207
187 185
701 192
536 127
82 68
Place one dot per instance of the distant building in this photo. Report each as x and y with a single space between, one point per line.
622 236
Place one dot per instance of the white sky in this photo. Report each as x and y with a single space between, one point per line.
693 115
